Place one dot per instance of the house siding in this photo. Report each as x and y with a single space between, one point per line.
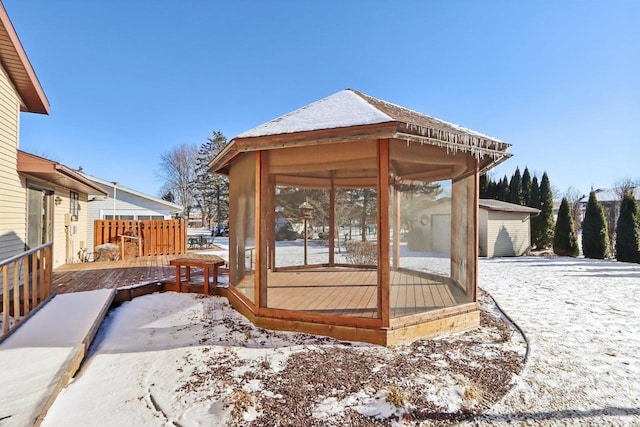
126 204
13 196
483 218
508 233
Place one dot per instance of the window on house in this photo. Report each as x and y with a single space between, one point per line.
74 205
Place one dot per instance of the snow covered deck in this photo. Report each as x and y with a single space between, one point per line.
45 352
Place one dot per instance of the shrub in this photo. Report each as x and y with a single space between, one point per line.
628 230
565 242
595 236
362 253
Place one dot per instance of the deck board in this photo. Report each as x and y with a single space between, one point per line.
354 292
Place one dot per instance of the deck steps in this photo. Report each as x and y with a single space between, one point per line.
43 354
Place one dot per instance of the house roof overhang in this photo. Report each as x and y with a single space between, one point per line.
106 185
16 63
56 173
500 206
350 116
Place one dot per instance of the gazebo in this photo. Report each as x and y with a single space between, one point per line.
415 180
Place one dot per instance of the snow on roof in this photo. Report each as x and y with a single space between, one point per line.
610 195
498 205
342 109
110 184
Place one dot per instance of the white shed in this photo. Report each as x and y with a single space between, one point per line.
504 228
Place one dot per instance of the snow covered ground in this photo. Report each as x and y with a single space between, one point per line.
582 320
180 359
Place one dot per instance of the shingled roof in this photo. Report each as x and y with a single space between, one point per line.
356 113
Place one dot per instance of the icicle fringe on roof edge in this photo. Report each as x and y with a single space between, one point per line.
478 148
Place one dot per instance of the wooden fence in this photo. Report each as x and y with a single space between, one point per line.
26 283
154 237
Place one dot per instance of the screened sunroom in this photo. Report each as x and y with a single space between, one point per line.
385 204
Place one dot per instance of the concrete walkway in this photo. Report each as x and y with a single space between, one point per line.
40 357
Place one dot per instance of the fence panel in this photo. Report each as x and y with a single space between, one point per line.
159 237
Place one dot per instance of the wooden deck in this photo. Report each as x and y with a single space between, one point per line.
116 274
352 292
343 292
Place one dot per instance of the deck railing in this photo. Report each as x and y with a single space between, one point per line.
26 283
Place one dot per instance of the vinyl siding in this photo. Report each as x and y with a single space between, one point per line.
126 204
76 238
508 233
13 196
483 218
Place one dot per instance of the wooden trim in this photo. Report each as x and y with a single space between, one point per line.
384 288
303 316
427 316
433 328
20 71
396 229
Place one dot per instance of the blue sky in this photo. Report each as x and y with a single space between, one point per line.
129 80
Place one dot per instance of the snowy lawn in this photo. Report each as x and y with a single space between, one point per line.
582 320
180 359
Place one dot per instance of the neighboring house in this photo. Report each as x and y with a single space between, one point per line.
610 200
38 196
504 229
124 203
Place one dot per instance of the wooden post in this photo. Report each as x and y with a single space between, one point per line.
262 218
25 284
5 299
16 291
384 289
332 221
34 279
396 228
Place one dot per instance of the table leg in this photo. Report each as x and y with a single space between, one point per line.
178 277
215 275
206 280
188 273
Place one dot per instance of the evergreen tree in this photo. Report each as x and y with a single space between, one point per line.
211 191
484 183
534 202
526 186
503 189
168 196
628 230
515 188
545 239
595 237
565 242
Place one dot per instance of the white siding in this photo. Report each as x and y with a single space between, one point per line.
483 218
126 204
508 234
13 196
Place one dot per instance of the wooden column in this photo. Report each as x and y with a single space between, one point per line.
396 229
262 205
332 221
272 220
473 197
383 232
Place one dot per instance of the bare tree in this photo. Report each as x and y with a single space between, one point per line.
625 185
573 196
177 170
